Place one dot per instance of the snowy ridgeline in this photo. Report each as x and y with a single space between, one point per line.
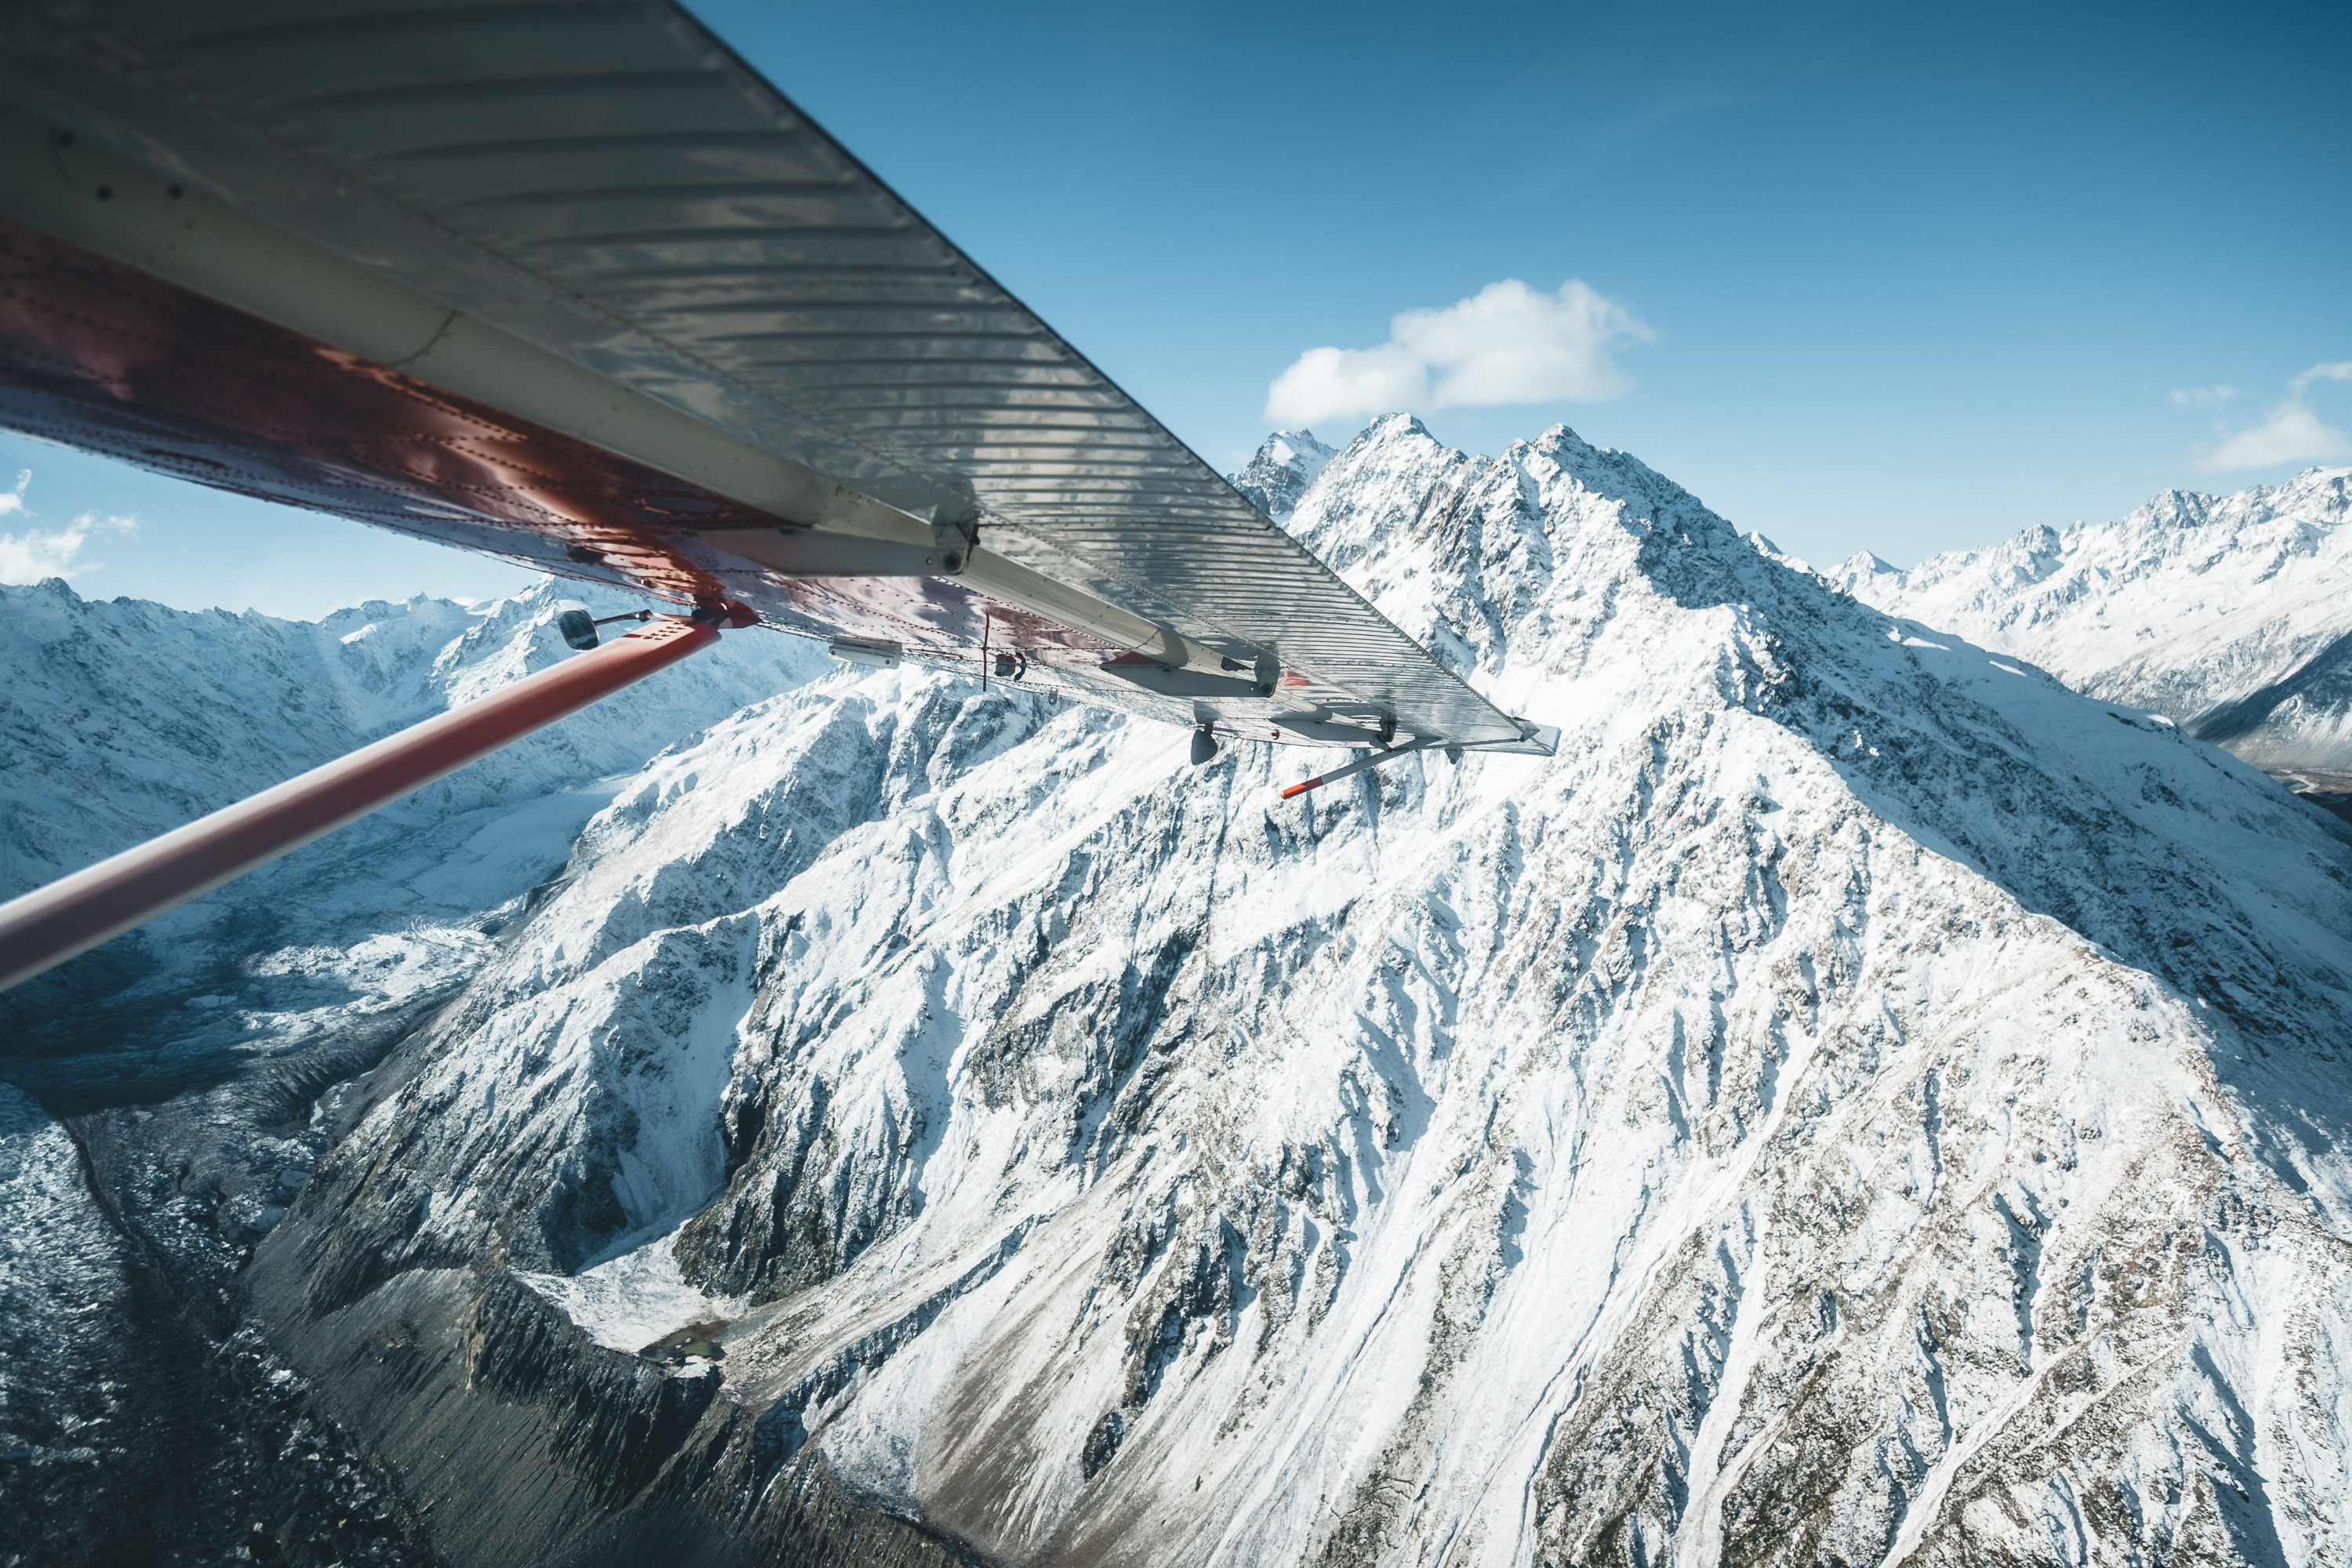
1860 1101
2231 614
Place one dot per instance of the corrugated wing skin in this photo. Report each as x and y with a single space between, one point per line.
607 181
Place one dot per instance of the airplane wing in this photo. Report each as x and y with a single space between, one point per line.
567 281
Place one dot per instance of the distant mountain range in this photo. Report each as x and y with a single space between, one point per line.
1860 1101
2230 615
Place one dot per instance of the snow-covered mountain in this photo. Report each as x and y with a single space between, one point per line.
2231 615
1279 473
1860 1101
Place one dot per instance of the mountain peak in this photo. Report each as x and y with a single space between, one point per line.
1285 463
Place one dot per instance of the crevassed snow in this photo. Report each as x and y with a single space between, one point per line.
62 1291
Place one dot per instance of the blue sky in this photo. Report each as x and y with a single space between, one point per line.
1890 278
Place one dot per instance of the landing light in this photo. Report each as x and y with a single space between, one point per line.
578 626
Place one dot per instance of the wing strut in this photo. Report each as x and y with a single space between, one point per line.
1349 769
75 913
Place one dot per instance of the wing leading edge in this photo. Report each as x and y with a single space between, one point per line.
570 283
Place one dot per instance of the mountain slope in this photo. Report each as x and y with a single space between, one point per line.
1860 1101
2231 615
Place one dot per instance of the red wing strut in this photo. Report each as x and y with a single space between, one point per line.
75 913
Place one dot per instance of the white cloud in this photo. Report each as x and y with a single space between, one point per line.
2204 397
38 553
2292 431
2334 370
1507 343
1340 383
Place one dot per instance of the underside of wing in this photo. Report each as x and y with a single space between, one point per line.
570 283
